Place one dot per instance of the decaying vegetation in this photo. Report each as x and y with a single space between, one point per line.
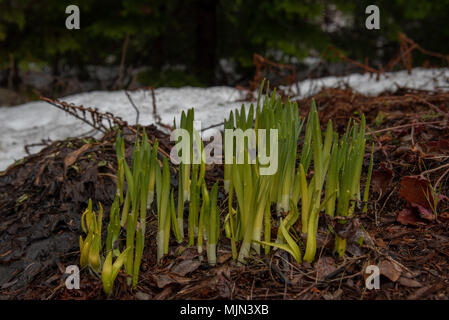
404 224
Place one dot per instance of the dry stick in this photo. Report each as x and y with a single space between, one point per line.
441 178
252 289
44 142
406 59
65 107
435 169
212 126
134 106
392 63
412 134
304 274
55 290
435 157
422 50
376 250
264 65
386 200
108 116
407 46
305 290
321 253
155 114
275 268
431 105
405 126
122 61
358 64
379 143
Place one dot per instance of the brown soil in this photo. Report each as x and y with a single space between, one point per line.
42 198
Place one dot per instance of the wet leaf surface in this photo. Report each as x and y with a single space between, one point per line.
185 267
416 190
390 269
381 179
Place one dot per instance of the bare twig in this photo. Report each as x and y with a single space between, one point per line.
96 119
134 106
405 126
155 114
43 143
119 83
435 169
364 67
441 178
212 126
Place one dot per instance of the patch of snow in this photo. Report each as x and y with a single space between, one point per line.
367 84
36 121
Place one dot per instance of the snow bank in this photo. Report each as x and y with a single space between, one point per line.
36 121
425 79
33 122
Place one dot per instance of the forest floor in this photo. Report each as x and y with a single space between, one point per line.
42 198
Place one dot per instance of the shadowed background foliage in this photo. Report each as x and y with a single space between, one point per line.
203 42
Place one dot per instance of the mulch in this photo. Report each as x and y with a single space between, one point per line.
42 198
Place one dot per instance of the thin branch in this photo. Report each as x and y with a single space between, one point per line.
212 126
119 83
134 106
155 114
405 126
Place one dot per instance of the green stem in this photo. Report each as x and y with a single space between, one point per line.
212 253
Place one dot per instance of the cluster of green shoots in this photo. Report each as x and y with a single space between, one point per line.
333 185
256 192
203 219
144 180
324 176
127 217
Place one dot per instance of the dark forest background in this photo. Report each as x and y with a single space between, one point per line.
201 42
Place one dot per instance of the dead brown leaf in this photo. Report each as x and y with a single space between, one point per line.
73 156
390 269
185 267
416 189
381 179
411 283
423 212
163 280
